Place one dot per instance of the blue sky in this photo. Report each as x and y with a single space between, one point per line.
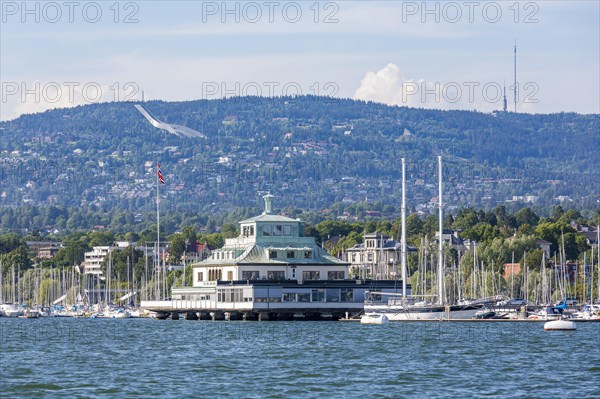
448 55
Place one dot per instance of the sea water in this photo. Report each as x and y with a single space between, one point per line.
145 358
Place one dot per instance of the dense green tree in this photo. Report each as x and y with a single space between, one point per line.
177 246
526 216
229 230
10 242
465 218
482 232
17 258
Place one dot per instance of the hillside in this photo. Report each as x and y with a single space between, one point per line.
311 152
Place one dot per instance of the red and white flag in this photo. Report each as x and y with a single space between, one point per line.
160 176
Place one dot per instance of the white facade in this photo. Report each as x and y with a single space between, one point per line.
94 258
270 247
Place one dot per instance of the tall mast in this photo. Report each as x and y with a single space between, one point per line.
403 237
440 241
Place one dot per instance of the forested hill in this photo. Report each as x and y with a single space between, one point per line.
311 152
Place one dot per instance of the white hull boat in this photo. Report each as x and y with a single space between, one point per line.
10 310
423 311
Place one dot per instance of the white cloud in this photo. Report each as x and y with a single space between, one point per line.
390 86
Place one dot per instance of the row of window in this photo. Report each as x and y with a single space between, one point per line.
224 255
362 258
320 295
234 295
316 295
280 275
269 230
291 254
217 274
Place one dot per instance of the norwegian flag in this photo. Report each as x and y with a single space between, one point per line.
160 176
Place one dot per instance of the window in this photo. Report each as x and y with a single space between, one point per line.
230 275
251 275
293 272
287 230
289 297
307 254
200 277
311 275
335 275
276 275
303 297
353 258
248 231
272 254
370 257
333 295
291 254
230 295
347 295
278 230
318 295
267 230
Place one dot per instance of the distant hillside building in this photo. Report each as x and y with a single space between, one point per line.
378 256
47 252
454 239
93 259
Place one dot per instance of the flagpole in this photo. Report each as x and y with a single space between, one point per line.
158 226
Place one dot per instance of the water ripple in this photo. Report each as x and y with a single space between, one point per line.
58 358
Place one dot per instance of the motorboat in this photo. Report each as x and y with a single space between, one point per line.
588 312
548 313
485 313
10 310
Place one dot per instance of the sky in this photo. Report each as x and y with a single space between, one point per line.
443 55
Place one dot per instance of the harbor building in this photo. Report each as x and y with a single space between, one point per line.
271 271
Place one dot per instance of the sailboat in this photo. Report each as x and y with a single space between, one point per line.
397 307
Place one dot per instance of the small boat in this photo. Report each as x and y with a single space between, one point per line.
33 313
548 313
10 310
485 313
588 312
560 325
374 318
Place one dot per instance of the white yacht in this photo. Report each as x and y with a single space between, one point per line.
398 309
10 310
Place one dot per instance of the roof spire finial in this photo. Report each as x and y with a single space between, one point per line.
268 203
